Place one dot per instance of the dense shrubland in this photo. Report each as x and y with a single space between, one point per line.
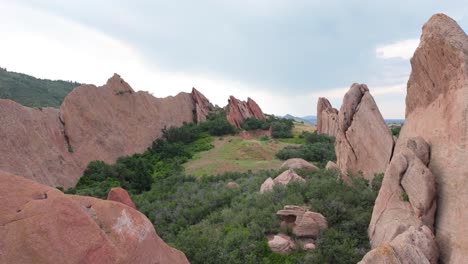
317 148
214 223
280 127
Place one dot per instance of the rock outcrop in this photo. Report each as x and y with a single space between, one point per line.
327 118
40 224
304 223
437 111
53 146
284 178
238 111
364 143
332 166
120 195
202 105
297 163
407 197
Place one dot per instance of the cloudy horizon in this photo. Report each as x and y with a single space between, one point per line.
283 54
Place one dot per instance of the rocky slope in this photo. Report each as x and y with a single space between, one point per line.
54 146
437 111
327 118
40 224
364 143
238 111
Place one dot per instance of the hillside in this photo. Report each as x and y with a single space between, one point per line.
33 92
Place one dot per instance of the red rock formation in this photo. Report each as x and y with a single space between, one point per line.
120 195
364 143
297 163
437 111
40 224
202 105
54 146
238 111
327 118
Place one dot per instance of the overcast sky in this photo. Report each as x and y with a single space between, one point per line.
282 53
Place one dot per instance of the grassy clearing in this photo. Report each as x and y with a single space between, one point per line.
232 154
300 127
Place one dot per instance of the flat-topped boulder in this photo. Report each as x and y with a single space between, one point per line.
304 223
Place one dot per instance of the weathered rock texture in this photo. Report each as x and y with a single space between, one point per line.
202 105
296 163
304 223
327 118
437 111
238 111
364 143
407 197
40 224
54 146
120 195
284 178
281 243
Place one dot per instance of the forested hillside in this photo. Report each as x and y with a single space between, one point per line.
30 91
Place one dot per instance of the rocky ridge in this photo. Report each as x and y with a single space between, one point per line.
238 111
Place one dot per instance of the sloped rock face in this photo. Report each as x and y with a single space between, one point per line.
437 111
40 224
54 146
238 111
281 243
327 118
202 105
284 178
120 195
401 228
267 185
364 143
296 163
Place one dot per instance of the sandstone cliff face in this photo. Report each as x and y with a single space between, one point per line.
403 216
54 146
238 111
40 224
364 143
327 118
437 110
202 105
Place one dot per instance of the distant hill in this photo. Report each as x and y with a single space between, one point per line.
33 92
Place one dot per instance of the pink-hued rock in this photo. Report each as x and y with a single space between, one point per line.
281 243
40 224
54 146
414 246
437 111
327 118
202 105
287 177
331 166
407 195
267 185
296 163
304 223
238 111
364 143
120 195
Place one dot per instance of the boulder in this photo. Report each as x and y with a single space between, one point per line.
40 224
54 146
364 144
267 185
120 195
232 185
287 177
437 111
304 223
331 166
327 118
238 111
296 163
281 243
